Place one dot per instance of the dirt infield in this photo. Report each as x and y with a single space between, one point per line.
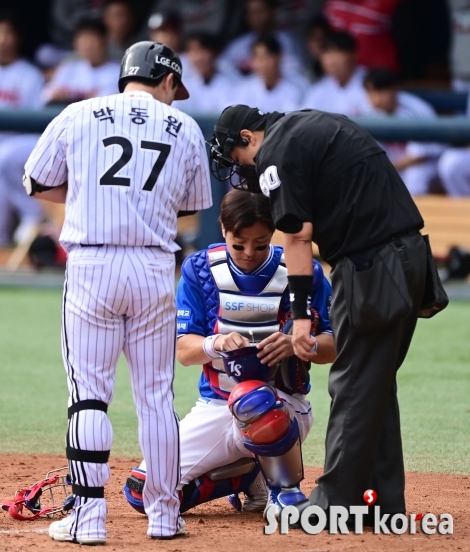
217 527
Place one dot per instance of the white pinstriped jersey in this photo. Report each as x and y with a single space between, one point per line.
131 163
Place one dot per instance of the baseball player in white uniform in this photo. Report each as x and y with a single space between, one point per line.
340 90
90 73
416 162
126 166
272 90
20 87
454 168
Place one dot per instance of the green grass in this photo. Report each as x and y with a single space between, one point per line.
434 388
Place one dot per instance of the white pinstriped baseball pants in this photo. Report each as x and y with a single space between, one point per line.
122 299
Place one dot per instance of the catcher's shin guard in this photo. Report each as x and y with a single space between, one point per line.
220 482
268 432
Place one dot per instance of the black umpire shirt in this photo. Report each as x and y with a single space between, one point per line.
325 169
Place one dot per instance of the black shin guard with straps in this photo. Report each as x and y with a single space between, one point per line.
87 456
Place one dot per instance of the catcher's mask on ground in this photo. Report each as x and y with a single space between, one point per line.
46 498
226 136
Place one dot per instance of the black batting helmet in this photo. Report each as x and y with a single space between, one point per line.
149 61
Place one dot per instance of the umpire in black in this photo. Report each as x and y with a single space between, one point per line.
331 183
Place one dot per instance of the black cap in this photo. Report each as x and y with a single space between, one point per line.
148 61
232 120
160 20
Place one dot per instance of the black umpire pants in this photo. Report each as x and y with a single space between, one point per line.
363 440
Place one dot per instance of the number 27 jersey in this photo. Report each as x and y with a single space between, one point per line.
131 163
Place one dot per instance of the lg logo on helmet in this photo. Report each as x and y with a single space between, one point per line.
168 63
269 180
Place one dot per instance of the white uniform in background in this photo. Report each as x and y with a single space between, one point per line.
212 96
20 85
285 96
131 163
239 55
454 168
82 80
417 177
20 88
328 95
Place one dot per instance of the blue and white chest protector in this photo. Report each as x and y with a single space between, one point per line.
214 296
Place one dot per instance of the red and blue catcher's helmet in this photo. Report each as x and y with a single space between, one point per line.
243 364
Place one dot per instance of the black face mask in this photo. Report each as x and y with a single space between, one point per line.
224 168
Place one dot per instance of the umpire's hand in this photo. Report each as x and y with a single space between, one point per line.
302 341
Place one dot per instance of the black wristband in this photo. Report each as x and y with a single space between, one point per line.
300 288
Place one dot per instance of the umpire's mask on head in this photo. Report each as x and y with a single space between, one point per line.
147 62
226 136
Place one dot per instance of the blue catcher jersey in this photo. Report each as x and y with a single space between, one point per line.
214 296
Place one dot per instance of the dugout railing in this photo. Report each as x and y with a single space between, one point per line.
452 130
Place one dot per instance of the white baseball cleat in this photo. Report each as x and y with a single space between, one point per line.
59 532
180 530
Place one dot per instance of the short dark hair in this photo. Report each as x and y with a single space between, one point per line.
273 4
380 78
128 3
240 209
12 18
270 42
319 21
207 40
91 24
154 82
341 40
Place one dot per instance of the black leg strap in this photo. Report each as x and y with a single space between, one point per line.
88 492
89 404
93 456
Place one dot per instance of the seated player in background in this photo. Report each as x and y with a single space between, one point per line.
209 88
317 31
227 294
119 20
454 167
261 19
416 162
272 90
341 89
20 87
88 75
